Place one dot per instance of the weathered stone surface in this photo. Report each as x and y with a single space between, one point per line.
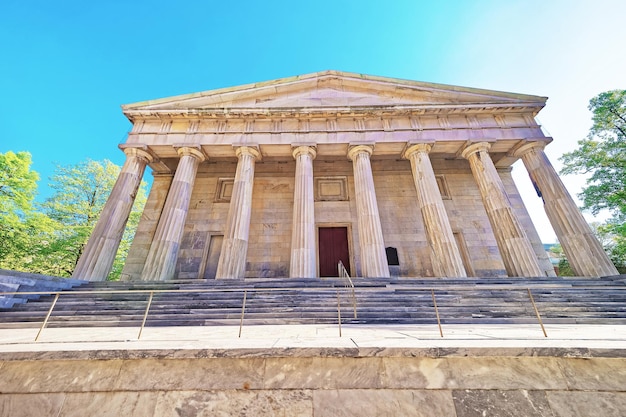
501 403
341 382
110 404
297 403
423 373
323 373
366 402
29 405
59 376
173 374
602 374
584 404
504 373
473 373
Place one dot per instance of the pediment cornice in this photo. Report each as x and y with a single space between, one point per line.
334 93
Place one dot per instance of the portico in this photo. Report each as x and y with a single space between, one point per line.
416 170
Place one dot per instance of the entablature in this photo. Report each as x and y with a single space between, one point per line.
502 151
305 112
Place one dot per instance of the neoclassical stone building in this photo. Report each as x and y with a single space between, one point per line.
286 178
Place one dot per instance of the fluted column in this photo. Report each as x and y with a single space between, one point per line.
303 260
515 248
373 256
161 261
448 262
232 262
583 250
96 261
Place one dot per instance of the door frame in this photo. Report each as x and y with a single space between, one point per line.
348 226
205 253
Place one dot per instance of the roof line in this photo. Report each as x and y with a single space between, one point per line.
331 74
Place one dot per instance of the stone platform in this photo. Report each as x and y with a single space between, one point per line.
493 358
309 370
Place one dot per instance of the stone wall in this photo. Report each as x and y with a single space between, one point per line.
272 210
314 382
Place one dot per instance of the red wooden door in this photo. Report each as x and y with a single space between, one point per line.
333 247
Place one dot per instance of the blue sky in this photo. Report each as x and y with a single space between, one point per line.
67 66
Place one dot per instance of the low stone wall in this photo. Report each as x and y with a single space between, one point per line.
314 382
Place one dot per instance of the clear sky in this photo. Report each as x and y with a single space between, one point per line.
67 66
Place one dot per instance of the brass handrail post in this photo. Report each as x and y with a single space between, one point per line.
45 322
145 315
339 313
532 300
432 293
243 310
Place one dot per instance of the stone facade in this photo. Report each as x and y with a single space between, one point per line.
391 177
311 383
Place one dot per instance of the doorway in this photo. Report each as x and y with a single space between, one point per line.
333 247
213 256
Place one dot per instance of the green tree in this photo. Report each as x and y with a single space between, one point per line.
602 156
18 186
80 192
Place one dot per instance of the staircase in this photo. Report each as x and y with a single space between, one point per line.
314 301
25 282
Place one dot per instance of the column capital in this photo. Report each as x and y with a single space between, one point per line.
527 147
139 153
412 148
194 151
357 149
304 149
475 147
248 150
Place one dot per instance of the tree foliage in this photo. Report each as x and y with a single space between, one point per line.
80 192
52 236
602 156
18 185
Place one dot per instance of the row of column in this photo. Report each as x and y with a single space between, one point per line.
581 247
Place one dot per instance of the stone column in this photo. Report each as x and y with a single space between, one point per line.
161 261
96 261
303 259
583 250
373 256
448 261
232 263
515 247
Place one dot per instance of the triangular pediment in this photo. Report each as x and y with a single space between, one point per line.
330 89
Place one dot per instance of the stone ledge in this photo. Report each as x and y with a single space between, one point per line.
132 354
276 341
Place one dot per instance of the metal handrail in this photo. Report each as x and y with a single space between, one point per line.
395 287
448 289
243 311
43 325
532 300
145 315
339 313
432 293
343 274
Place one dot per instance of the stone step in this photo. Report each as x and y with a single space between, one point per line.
406 301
